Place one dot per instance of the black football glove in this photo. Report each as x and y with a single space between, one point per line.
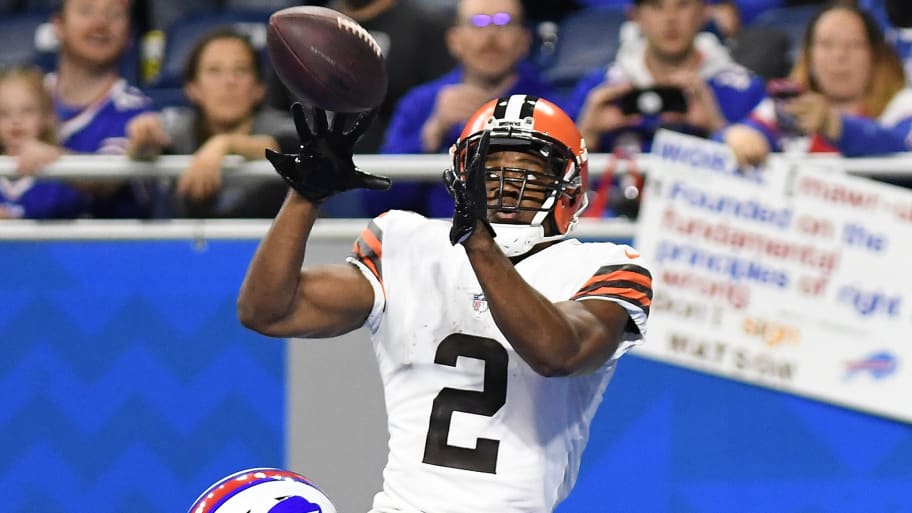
323 165
471 195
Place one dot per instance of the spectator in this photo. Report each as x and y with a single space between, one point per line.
667 50
93 102
763 50
28 133
856 100
223 80
491 42
411 37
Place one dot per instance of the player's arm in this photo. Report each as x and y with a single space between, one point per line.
570 337
555 339
278 297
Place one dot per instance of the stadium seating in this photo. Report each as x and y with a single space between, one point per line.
587 39
790 20
161 14
39 5
18 38
8 6
181 36
263 5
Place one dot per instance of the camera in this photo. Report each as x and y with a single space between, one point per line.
653 100
781 91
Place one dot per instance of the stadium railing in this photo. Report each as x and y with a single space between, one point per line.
411 167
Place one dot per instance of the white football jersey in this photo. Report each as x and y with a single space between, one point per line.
472 427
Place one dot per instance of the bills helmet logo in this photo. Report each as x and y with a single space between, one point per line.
263 490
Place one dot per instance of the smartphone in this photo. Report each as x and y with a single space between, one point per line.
783 89
653 100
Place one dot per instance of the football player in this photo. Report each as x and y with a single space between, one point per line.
495 334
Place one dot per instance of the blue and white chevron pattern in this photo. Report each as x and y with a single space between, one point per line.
126 383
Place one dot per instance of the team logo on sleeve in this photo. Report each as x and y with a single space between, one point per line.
479 303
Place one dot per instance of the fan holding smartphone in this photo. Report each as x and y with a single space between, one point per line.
651 101
782 91
666 75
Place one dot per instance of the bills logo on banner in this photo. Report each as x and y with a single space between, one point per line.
878 366
782 277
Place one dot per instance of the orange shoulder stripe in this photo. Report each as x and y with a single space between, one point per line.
370 238
634 296
620 275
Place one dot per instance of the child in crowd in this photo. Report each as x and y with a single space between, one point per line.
28 133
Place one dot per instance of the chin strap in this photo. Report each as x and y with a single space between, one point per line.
517 239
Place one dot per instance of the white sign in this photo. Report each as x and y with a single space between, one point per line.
792 278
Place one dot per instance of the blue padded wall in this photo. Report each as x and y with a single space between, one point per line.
670 440
127 383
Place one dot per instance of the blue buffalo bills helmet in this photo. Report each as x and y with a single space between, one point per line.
263 490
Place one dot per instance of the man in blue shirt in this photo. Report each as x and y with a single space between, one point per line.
491 42
93 102
664 48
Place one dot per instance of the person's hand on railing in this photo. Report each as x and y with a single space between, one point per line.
146 136
203 177
34 155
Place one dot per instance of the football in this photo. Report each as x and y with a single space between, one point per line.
326 59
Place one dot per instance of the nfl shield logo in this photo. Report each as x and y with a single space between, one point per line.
479 303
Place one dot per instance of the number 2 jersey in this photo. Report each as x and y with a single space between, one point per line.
472 427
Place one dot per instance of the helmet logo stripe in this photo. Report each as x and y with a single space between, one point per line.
528 107
515 107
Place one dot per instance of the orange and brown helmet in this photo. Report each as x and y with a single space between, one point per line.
537 126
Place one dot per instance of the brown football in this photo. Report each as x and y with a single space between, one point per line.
326 59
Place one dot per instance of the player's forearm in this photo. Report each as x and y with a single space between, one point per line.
536 328
269 289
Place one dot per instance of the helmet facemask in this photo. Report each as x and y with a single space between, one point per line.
558 184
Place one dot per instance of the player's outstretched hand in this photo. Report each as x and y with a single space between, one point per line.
323 165
470 194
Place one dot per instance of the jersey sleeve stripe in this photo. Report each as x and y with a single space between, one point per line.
373 236
636 297
368 249
618 284
368 260
622 299
615 273
626 282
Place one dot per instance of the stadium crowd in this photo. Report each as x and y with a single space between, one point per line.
143 78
